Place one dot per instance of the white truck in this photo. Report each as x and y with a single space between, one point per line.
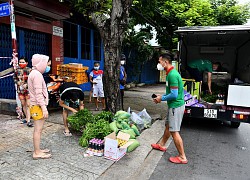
229 45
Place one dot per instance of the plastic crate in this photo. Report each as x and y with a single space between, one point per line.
75 69
76 65
79 75
69 79
191 86
58 67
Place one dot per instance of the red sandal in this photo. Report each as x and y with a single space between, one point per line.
177 160
158 147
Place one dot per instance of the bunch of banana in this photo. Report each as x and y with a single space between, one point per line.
121 142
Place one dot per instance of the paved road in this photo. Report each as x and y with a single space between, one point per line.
214 151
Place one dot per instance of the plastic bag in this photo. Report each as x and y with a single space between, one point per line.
129 110
145 118
137 119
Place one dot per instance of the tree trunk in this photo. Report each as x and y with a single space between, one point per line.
112 31
112 75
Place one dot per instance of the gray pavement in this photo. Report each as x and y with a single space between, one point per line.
68 161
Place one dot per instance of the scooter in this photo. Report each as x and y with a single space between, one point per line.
53 89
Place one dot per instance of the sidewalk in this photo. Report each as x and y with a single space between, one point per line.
68 161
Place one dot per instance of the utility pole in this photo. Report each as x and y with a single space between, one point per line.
13 35
14 60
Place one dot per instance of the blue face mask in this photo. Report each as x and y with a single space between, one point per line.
47 69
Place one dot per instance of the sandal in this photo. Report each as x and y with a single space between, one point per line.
158 147
30 124
97 109
44 156
24 121
68 134
177 160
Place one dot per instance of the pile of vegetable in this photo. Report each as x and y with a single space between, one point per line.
216 89
122 122
102 124
209 98
92 126
99 130
79 120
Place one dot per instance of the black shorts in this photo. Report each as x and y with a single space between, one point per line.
195 73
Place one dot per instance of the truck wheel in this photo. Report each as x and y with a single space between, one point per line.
235 124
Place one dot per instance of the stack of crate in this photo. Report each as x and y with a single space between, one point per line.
74 71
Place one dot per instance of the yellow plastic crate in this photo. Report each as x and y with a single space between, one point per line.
76 65
78 75
77 70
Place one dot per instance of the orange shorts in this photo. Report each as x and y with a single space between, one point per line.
36 112
23 96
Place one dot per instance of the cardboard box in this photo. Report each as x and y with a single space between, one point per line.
111 150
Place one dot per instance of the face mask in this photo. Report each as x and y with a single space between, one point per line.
22 65
47 69
96 68
160 67
122 62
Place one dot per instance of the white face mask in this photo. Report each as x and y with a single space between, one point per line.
96 68
160 67
122 62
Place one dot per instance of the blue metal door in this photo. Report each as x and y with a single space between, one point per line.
7 89
35 43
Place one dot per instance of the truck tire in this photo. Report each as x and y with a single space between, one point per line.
234 124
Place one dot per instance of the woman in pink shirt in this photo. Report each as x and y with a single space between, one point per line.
38 101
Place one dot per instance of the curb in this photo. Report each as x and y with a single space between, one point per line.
8 107
134 162
149 165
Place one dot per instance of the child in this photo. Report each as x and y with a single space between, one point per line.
96 78
71 99
39 101
20 79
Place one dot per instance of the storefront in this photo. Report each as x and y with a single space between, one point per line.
50 28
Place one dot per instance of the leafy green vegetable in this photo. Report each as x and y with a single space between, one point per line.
83 142
106 115
98 129
209 98
216 89
78 120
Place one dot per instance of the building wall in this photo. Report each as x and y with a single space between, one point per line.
82 45
56 42
34 26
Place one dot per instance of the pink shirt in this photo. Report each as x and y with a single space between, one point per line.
37 89
36 84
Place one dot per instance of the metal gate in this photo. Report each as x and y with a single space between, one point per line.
35 43
29 43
